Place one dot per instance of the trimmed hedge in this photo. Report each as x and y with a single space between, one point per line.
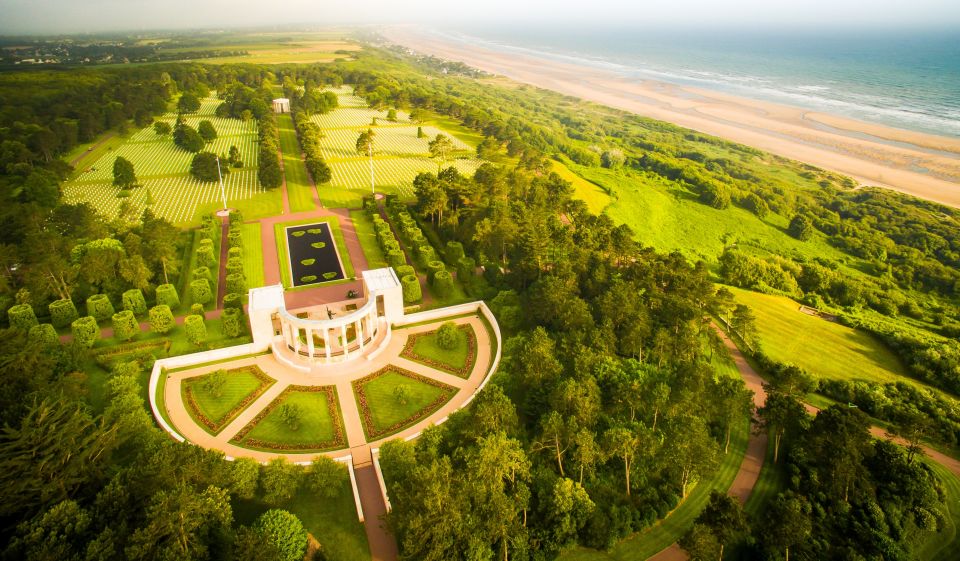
22 317
134 301
200 291
85 331
234 252
395 258
232 319
196 329
434 267
235 266
62 312
232 300
466 268
205 256
404 270
454 252
411 289
442 284
426 253
43 334
125 325
100 307
201 273
167 296
161 319
236 283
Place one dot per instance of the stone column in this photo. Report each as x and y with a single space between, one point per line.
285 332
346 350
359 328
296 338
309 342
326 342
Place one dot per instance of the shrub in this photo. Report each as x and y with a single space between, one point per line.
134 301
204 167
236 283
285 531
22 317
232 321
411 289
167 296
200 290
390 245
161 319
426 253
205 254
43 334
197 309
62 312
233 300
196 329
235 252
404 270
448 336
434 267
395 258
125 325
454 252
100 307
85 331
442 284
466 268
800 227
235 239
235 266
201 273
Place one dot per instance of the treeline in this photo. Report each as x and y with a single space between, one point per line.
268 159
306 100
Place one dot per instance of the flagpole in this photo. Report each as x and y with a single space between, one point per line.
223 192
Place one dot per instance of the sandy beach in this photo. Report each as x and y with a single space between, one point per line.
923 165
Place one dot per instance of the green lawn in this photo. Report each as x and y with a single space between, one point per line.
319 429
943 545
823 348
240 383
384 414
252 254
281 236
773 479
651 541
368 239
426 350
596 198
332 521
299 190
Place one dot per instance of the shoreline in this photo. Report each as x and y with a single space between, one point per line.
923 165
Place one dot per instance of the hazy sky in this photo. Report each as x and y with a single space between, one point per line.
68 16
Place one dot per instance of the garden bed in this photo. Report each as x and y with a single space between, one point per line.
423 348
321 428
383 414
243 386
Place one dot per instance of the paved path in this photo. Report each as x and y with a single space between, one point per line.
224 250
382 545
93 148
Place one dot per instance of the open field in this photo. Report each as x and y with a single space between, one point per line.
596 198
825 349
162 168
308 48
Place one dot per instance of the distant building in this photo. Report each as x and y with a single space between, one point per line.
281 105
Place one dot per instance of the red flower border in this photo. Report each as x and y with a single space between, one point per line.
218 425
409 353
369 426
338 441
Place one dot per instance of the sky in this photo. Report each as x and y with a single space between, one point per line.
88 16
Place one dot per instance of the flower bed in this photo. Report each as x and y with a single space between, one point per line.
370 426
410 353
215 426
337 441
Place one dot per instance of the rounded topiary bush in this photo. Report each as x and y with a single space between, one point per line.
195 328
62 312
134 301
426 253
125 325
411 289
454 252
235 266
202 273
205 255
235 252
100 307
434 267
200 291
236 283
395 258
448 336
85 331
417 239
404 270
233 300
43 334
235 239
232 321
22 317
443 284
167 296
285 531
466 268
161 319
197 309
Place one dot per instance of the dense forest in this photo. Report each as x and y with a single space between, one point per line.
607 409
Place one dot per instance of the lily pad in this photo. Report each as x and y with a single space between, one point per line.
308 278
329 275
314 231
307 262
319 245
298 233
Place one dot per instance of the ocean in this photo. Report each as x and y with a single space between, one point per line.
905 79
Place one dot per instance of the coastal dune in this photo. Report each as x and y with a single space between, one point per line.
919 164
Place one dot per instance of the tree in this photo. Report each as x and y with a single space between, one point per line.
781 414
690 449
756 205
123 175
279 480
85 331
800 227
715 195
290 414
188 138
622 443
744 324
569 509
195 328
188 103
440 148
392 115
125 325
206 131
204 167
786 523
448 336
401 394
612 159
162 128
180 523
285 531
723 517
734 402
161 319
214 382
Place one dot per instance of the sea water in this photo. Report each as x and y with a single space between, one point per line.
908 79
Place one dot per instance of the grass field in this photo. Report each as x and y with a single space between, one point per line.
299 189
651 541
368 239
320 423
221 410
943 546
252 254
266 48
282 254
823 348
453 360
596 198
383 413
163 172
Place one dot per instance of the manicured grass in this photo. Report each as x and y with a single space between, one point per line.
321 425
423 348
252 254
240 384
299 190
653 540
943 546
282 254
825 349
332 521
368 239
596 198
381 411
772 480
